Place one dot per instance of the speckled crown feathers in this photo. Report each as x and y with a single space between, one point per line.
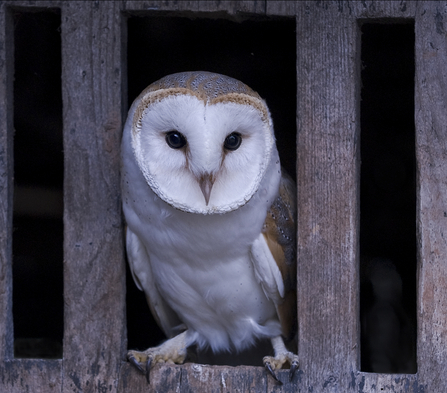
206 85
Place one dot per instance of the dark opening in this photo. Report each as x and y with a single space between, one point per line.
388 199
38 181
259 52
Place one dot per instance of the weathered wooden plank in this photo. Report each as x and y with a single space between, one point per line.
370 9
94 270
31 376
372 383
379 9
32 5
281 7
198 378
163 378
328 86
231 7
6 180
431 153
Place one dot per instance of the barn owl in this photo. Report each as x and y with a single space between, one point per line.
210 232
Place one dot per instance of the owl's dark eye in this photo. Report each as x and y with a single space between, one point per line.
175 140
233 141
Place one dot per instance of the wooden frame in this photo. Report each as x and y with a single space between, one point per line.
328 174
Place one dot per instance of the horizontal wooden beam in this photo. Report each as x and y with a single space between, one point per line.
31 375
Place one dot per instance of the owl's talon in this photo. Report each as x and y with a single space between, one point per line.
269 368
134 362
171 351
293 369
148 369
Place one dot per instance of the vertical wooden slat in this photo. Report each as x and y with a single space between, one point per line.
94 274
431 152
6 180
327 177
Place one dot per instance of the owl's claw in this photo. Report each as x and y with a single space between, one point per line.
148 369
269 368
171 351
294 366
282 356
134 362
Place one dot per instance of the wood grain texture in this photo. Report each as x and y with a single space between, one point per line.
94 269
30 5
328 169
281 7
387 383
31 376
382 9
6 181
204 378
233 7
366 9
198 378
327 176
431 153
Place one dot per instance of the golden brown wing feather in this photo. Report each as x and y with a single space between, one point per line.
280 234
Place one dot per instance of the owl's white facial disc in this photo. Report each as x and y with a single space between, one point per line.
200 155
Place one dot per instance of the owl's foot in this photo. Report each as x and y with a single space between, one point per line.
171 351
282 356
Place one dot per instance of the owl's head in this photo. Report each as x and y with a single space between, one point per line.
203 141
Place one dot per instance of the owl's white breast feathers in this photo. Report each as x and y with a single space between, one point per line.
144 279
204 262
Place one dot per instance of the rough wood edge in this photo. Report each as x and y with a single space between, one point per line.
193 377
94 267
197 377
431 155
232 7
31 375
31 6
6 180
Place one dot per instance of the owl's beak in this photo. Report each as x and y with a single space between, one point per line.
206 182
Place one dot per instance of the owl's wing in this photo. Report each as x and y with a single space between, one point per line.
274 255
140 267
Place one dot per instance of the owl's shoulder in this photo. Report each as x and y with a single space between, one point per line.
280 235
280 225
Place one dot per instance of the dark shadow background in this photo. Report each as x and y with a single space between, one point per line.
388 165
38 183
